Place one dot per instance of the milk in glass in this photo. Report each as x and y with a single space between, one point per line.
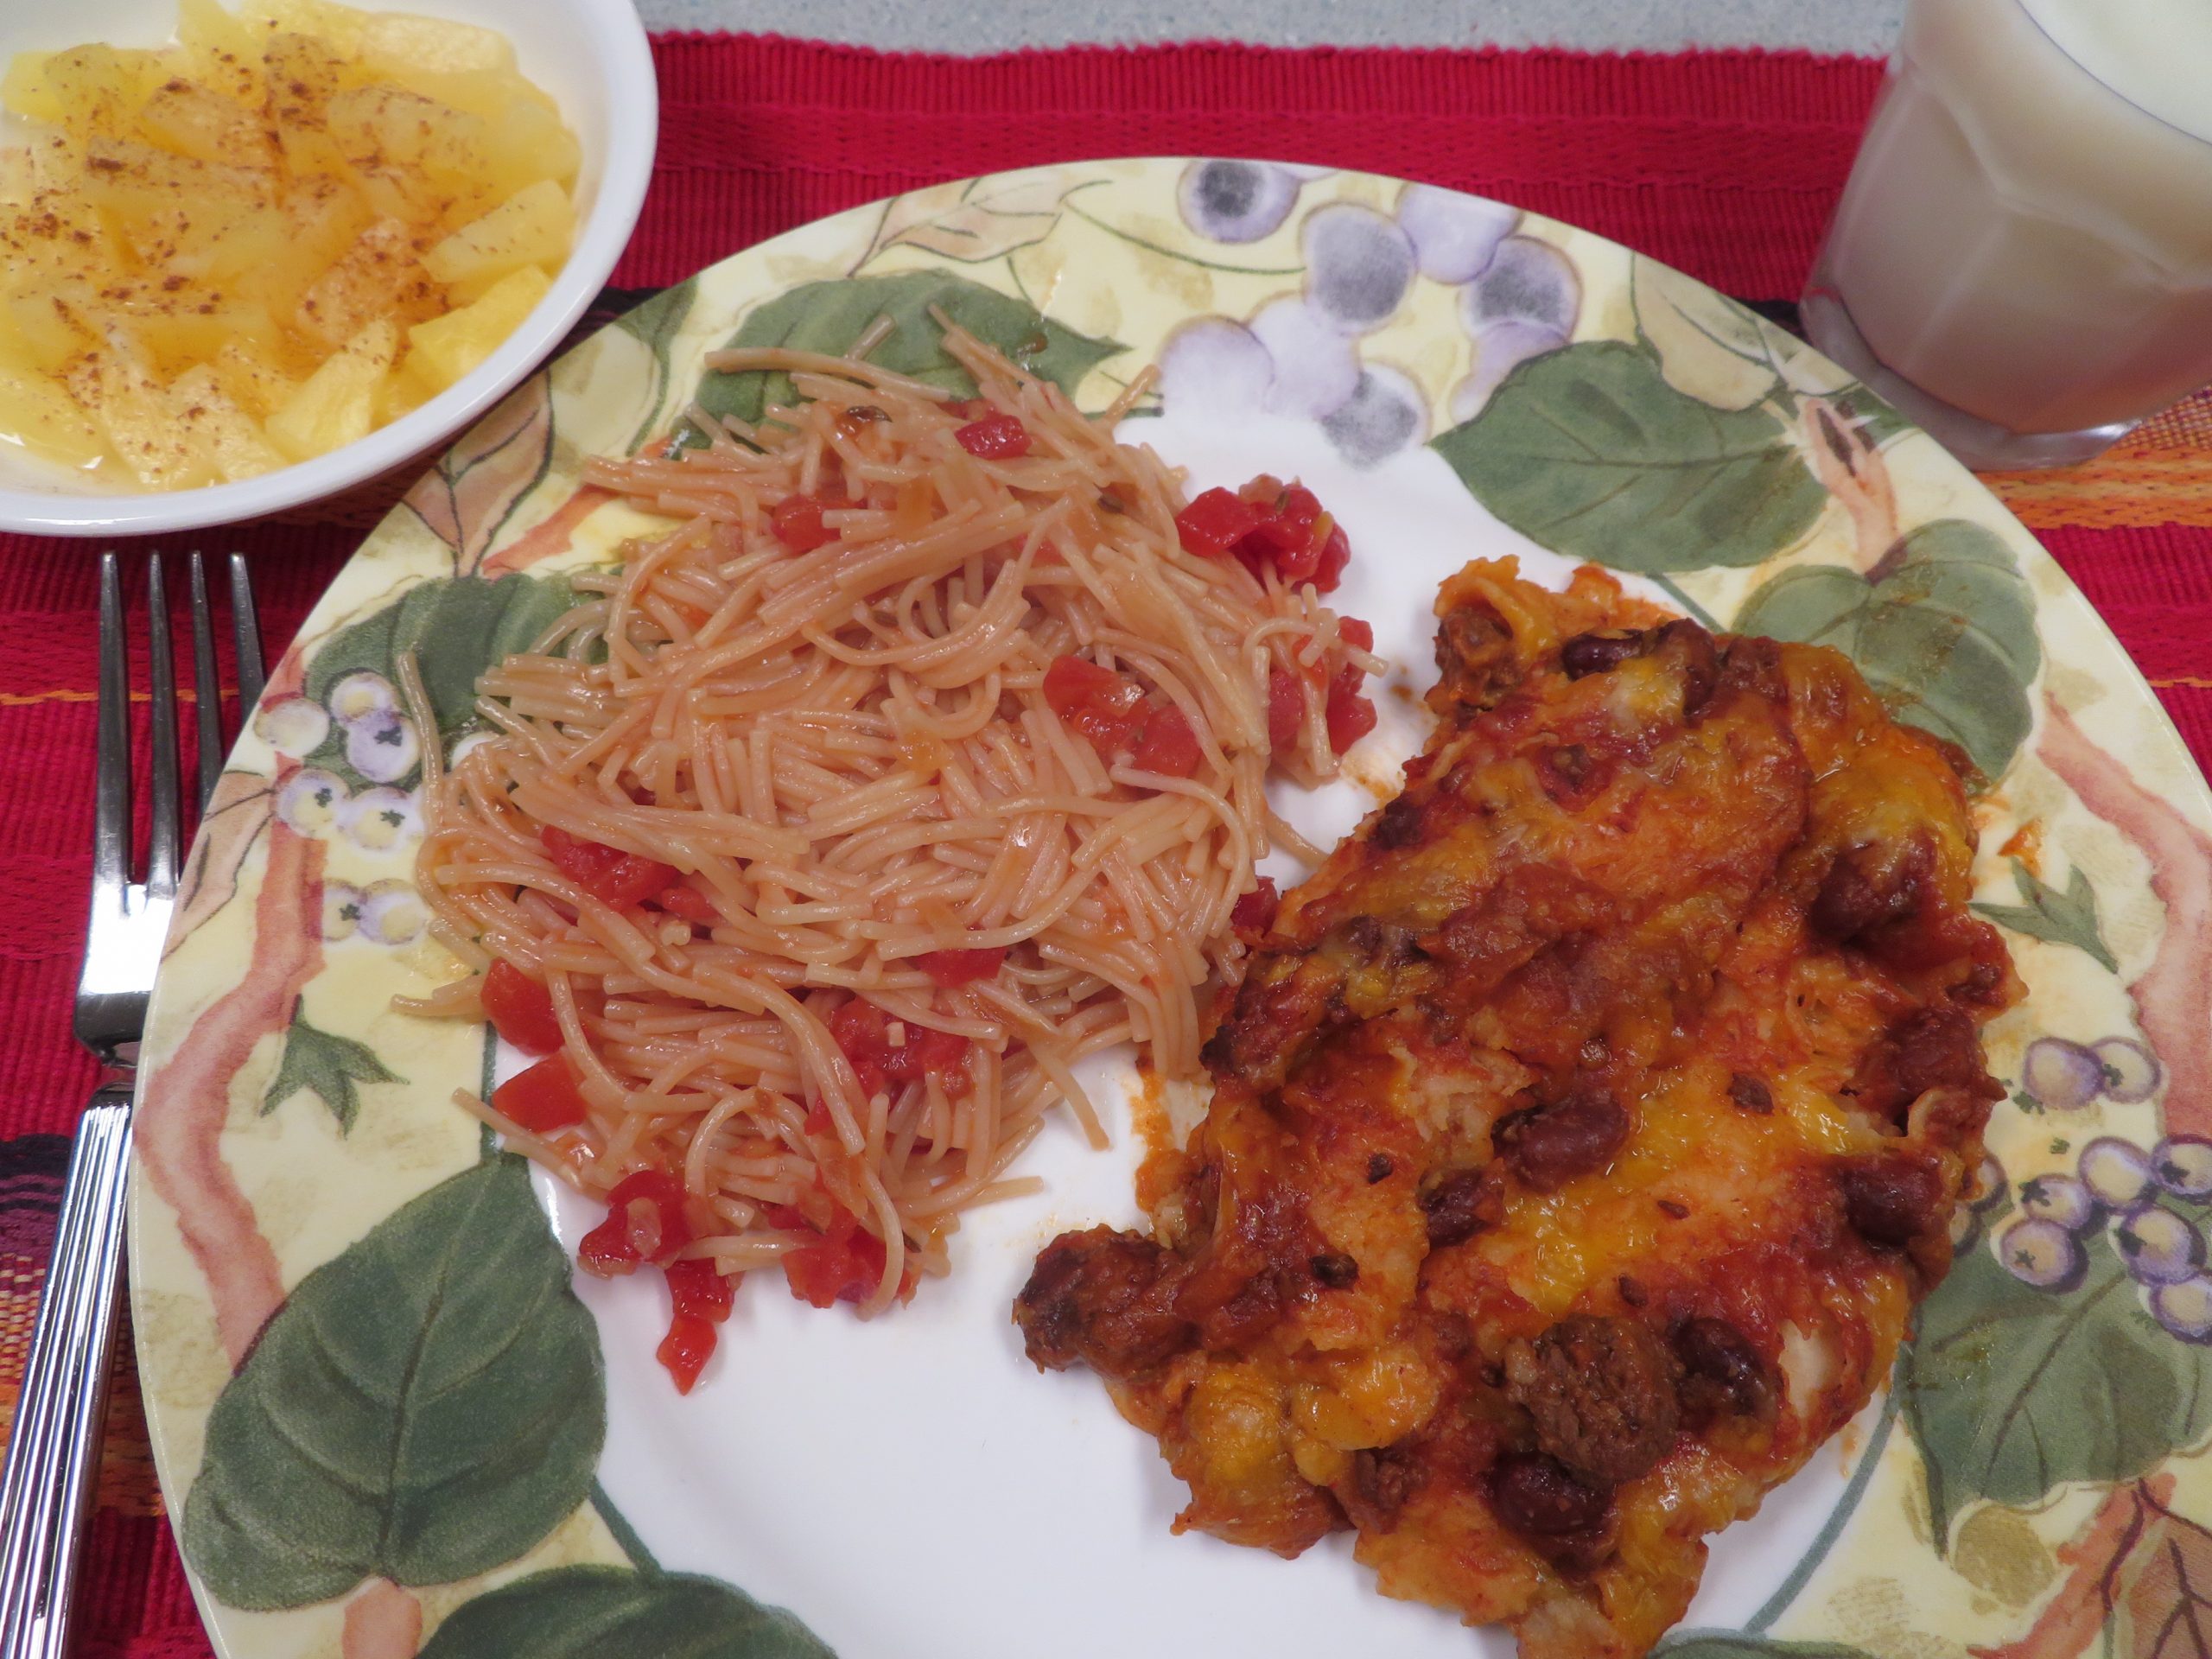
2022 258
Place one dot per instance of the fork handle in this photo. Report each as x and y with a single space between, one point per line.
53 1450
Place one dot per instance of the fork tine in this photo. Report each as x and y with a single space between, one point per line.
246 626
208 713
112 788
167 829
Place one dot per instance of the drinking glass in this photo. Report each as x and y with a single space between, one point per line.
2022 261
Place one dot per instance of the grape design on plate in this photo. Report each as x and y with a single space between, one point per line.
1300 355
2150 1206
368 803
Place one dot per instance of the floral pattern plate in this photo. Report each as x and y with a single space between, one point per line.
389 1422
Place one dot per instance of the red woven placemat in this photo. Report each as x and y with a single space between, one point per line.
1724 163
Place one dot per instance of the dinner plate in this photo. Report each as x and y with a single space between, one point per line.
389 1418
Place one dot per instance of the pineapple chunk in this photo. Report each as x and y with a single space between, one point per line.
531 227
38 415
252 380
401 45
224 436
135 413
445 349
191 120
378 277
337 403
403 391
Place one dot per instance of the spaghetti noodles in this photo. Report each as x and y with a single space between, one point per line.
923 757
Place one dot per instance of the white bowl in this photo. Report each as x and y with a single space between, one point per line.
590 54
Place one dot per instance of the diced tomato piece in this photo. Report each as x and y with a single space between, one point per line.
1286 709
689 904
521 1009
544 1098
1102 705
1351 712
686 1349
1217 521
699 1288
796 521
951 967
1287 538
862 1030
1336 555
997 436
645 1222
622 879
818 1120
1168 746
844 1267
1355 633
1255 912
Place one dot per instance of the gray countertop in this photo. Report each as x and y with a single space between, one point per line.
976 26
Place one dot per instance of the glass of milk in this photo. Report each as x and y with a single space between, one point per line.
2022 261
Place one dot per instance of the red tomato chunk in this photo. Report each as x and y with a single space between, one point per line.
797 523
690 904
862 1030
951 968
1255 912
521 1009
686 1349
645 1222
995 437
1168 746
544 1098
1103 706
1286 709
1217 521
844 1265
701 1290
614 877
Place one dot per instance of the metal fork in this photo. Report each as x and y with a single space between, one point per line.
53 1450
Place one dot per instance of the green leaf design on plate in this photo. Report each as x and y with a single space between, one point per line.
591 1612
2010 1390
424 1408
655 326
1943 626
1740 1645
457 626
830 316
1706 345
2067 918
1589 451
1868 411
327 1067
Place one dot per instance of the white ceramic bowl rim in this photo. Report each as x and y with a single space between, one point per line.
618 43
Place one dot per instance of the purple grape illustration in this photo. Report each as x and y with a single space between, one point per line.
362 695
2116 1171
2184 1307
1989 1183
2063 1076
1316 368
1965 1228
293 725
2060 1199
310 800
1235 202
2160 1246
1453 236
1358 265
1386 413
341 909
392 912
2043 1254
2181 1165
382 748
1215 367
380 819
2132 1072
1528 281
1500 348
